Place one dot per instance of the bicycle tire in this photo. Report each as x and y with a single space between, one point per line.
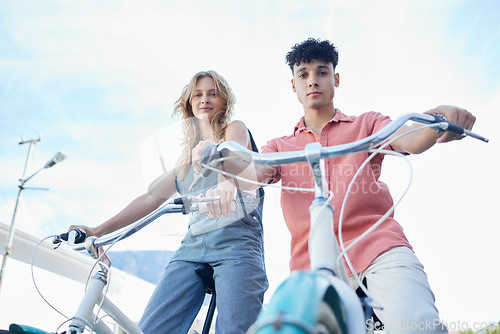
23 329
311 302
327 322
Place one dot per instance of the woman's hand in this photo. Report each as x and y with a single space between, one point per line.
90 231
221 207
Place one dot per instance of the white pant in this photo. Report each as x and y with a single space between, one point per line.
396 281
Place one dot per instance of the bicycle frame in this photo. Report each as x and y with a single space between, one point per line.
326 282
95 294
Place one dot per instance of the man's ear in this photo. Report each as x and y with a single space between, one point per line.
293 86
336 77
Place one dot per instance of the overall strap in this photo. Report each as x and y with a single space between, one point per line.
261 191
255 149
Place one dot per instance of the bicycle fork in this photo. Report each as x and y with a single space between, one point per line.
93 296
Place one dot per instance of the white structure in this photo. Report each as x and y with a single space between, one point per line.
60 275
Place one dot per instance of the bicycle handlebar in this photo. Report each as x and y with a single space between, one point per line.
365 144
190 204
185 205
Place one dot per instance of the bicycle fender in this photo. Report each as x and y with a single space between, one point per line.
295 305
23 329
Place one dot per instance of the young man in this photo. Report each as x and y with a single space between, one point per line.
384 259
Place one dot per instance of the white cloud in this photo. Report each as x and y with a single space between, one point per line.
395 57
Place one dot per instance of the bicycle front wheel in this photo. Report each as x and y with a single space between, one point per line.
23 329
327 322
311 302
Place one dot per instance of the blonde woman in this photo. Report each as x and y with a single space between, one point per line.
231 243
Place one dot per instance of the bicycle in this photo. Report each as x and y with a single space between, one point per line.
95 294
320 300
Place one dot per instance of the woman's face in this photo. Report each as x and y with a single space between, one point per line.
206 100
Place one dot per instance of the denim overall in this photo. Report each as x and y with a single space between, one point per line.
235 252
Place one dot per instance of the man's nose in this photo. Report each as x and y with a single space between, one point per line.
313 82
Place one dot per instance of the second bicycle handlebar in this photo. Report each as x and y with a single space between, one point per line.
365 144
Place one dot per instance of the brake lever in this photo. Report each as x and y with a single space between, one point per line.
444 125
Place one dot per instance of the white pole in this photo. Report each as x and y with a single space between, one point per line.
10 239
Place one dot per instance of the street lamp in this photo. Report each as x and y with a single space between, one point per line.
58 157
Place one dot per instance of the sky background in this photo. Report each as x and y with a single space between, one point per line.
98 80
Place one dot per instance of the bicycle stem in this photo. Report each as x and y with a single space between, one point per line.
323 243
317 164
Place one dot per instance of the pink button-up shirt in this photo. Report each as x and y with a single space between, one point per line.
368 201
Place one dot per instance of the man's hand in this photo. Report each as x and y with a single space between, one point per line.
198 152
455 115
421 141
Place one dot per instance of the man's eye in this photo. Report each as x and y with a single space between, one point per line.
303 75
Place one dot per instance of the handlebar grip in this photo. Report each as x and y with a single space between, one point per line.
455 129
178 201
447 126
197 205
73 237
202 207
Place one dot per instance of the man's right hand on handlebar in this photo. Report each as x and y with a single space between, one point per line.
237 163
455 115
197 154
420 141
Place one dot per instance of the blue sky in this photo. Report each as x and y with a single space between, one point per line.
98 78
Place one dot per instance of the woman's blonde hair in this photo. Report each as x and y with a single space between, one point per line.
190 126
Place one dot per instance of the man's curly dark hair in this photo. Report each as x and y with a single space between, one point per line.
312 49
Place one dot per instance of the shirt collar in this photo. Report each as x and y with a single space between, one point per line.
339 117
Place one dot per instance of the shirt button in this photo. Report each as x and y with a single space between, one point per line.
254 218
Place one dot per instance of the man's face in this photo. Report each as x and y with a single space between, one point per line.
315 83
